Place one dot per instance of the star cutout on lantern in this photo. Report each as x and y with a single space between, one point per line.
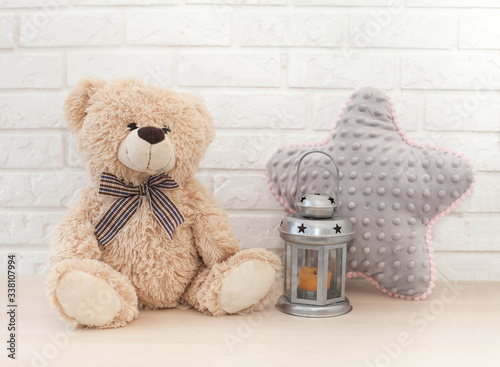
302 199
337 228
302 228
392 190
332 200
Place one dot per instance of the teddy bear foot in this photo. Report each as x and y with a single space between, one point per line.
246 285
241 284
89 300
92 294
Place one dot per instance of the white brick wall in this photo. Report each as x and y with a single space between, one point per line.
340 70
6 30
70 29
291 28
271 72
230 69
451 71
210 27
153 66
25 70
401 30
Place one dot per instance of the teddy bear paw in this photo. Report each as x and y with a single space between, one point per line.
88 299
246 285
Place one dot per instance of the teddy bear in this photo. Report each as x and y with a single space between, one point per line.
146 234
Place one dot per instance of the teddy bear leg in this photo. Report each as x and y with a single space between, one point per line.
91 293
241 284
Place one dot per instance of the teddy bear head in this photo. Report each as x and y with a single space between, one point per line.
134 130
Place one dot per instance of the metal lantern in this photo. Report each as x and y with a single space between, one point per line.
315 255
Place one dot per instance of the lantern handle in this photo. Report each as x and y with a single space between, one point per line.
336 167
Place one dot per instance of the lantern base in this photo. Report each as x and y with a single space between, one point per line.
298 309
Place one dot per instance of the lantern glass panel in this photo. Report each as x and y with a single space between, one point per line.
288 269
335 273
307 265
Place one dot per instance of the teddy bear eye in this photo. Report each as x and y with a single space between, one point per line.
132 126
166 129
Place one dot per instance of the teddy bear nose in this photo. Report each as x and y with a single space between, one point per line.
151 134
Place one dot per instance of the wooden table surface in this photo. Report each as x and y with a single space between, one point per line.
458 325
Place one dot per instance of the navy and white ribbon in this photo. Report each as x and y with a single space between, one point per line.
129 198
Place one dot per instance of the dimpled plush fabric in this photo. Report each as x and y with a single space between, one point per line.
392 190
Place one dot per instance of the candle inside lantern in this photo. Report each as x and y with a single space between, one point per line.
308 279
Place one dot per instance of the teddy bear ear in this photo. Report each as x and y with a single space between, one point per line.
207 117
75 107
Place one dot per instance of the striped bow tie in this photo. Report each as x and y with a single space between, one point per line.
129 199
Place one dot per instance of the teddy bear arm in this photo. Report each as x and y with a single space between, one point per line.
214 237
213 234
74 236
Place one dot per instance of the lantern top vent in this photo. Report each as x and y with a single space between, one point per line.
317 206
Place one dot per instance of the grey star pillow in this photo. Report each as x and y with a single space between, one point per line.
392 190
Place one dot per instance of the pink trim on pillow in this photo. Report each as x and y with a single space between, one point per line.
428 227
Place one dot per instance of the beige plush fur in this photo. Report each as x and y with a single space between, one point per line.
142 265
